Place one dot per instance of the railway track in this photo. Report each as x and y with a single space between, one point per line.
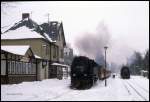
132 88
58 96
127 89
140 86
64 94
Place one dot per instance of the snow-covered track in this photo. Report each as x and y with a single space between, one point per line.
127 89
139 86
58 96
136 90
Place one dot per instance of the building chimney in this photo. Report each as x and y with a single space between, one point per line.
25 15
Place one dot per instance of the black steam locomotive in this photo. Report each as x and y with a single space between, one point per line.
125 72
84 72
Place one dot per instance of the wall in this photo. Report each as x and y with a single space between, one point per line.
61 46
54 49
36 45
3 67
42 71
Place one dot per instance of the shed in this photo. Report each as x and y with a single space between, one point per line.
62 70
18 64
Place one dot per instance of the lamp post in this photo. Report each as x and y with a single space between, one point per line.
105 65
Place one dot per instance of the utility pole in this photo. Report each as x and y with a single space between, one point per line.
105 66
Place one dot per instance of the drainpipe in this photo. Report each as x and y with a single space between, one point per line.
7 80
49 62
36 70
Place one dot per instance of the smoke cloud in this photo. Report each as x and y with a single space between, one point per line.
92 44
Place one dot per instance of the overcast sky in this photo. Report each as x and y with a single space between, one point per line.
127 22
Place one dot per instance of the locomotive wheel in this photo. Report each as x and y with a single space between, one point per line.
77 84
81 85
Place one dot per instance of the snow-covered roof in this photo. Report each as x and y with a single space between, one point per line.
17 49
21 33
144 71
26 29
5 28
50 30
48 38
58 64
38 57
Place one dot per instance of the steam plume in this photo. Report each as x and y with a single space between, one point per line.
92 44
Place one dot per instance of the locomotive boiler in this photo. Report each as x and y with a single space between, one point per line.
85 72
125 72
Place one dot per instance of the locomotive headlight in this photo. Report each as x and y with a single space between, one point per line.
74 74
85 74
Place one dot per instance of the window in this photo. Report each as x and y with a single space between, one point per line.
9 66
59 35
17 69
24 68
3 67
55 52
45 49
62 54
66 53
54 23
29 68
13 67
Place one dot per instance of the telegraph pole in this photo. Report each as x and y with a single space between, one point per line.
105 66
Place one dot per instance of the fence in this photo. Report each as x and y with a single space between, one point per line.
18 71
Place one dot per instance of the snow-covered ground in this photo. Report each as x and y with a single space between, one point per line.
134 89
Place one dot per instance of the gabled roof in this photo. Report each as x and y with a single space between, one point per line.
28 29
29 23
17 49
21 33
51 30
63 34
25 29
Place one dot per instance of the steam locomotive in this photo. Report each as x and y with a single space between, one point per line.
85 72
125 72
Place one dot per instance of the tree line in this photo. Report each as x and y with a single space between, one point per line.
137 62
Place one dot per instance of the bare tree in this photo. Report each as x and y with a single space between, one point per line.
146 61
7 5
137 63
